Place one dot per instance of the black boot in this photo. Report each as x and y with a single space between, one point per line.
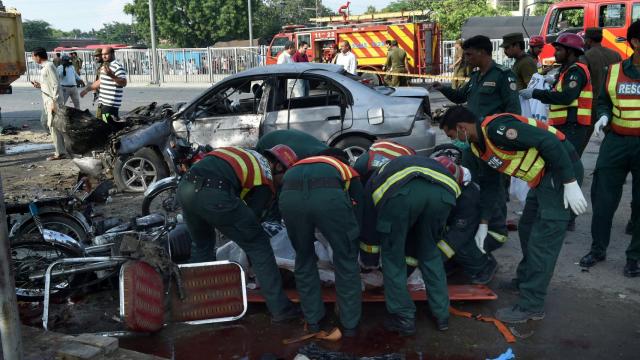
591 259
442 324
293 312
631 269
402 325
485 275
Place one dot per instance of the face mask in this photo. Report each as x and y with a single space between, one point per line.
462 145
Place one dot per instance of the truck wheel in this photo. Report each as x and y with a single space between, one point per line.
136 172
354 146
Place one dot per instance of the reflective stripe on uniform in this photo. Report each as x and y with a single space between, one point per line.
584 102
446 249
499 237
391 148
371 249
246 166
438 176
626 110
411 261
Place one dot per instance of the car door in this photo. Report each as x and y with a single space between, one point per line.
230 116
612 18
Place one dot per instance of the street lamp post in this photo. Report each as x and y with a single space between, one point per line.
250 24
154 55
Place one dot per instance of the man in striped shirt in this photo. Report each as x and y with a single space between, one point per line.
113 78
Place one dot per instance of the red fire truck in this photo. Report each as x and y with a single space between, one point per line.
417 35
613 16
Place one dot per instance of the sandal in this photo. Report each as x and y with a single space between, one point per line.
56 157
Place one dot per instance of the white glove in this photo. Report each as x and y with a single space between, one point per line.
526 93
600 124
466 175
481 234
573 197
549 79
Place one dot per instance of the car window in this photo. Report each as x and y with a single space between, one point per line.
566 20
304 37
308 92
635 12
241 97
612 15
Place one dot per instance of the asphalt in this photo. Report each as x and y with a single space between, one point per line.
591 314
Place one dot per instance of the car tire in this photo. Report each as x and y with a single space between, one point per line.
136 172
354 146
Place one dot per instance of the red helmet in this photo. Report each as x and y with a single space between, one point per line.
453 168
571 41
284 154
536 40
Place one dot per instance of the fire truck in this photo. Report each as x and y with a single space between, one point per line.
613 16
415 33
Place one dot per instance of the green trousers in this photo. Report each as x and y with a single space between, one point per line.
422 208
542 229
208 209
330 211
618 156
576 134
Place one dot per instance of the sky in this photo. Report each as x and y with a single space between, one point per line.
91 14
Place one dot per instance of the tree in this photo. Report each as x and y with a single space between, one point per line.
371 10
118 33
450 14
38 33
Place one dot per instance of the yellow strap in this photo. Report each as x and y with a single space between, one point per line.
499 237
371 249
446 249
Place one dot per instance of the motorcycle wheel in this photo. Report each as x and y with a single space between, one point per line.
31 255
136 172
56 222
163 200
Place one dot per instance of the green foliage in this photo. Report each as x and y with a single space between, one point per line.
450 14
118 33
38 33
371 10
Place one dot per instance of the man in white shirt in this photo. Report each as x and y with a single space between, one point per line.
69 80
51 98
347 59
285 55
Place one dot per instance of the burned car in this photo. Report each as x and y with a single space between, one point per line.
319 99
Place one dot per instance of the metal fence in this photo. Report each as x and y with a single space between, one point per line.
210 65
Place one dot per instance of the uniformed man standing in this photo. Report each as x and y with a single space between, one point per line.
525 66
571 96
409 199
324 193
229 190
619 154
536 43
507 142
380 153
397 62
303 144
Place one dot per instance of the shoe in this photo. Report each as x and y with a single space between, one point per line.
631 269
629 228
510 286
56 157
403 326
485 275
591 259
442 324
518 315
572 225
292 313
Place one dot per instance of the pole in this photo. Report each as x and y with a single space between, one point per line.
9 318
250 24
154 53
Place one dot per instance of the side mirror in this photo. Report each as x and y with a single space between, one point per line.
376 116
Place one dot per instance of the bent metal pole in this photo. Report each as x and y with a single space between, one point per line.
9 318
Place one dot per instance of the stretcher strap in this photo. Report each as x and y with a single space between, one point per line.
334 335
508 336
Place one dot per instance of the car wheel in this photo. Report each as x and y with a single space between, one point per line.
136 172
354 146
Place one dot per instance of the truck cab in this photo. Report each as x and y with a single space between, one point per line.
613 16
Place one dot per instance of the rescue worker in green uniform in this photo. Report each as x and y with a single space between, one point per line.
491 89
303 144
397 62
380 153
540 155
229 190
536 43
571 96
408 199
524 66
322 192
618 106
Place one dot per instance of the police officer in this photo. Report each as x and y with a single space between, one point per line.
539 154
571 96
380 153
397 62
303 144
229 190
524 66
491 88
322 192
409 199
619 154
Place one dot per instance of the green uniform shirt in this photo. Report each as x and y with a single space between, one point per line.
598 59
492 93
258 199
395 60
604 101
574 80
303 144
524 68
